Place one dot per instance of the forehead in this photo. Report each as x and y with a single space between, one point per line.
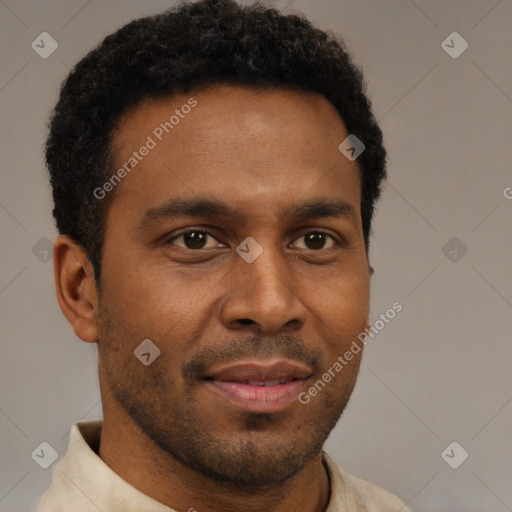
245 146
237 107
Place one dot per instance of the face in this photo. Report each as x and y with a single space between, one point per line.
234 244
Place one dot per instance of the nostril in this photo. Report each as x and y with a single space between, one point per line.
245 321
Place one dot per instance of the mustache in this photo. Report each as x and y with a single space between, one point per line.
287 347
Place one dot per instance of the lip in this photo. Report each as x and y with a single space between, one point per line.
232 382
260 371
258 399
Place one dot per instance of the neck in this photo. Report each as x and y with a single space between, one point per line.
158 475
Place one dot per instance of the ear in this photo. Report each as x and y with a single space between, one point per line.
76 287
371 272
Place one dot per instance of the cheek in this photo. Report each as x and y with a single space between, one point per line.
342 301
341 316
156 297
161 306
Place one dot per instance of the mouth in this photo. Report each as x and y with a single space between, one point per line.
259 386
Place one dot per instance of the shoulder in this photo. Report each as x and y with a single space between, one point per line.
357 494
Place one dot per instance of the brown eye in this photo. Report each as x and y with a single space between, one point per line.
315 240
194 239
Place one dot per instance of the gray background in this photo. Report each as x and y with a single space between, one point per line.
439 372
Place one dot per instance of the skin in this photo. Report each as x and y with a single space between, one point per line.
259 152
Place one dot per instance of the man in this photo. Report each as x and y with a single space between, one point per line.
214 172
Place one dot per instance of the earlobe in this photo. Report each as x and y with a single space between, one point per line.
75 287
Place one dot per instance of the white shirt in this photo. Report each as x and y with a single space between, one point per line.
82 482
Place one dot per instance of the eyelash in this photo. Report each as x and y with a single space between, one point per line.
202 231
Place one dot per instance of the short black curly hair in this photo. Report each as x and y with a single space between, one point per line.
189 47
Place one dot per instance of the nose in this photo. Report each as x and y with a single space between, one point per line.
264 296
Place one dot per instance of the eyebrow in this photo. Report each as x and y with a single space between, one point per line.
211 208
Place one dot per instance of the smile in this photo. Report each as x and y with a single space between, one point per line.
259 386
